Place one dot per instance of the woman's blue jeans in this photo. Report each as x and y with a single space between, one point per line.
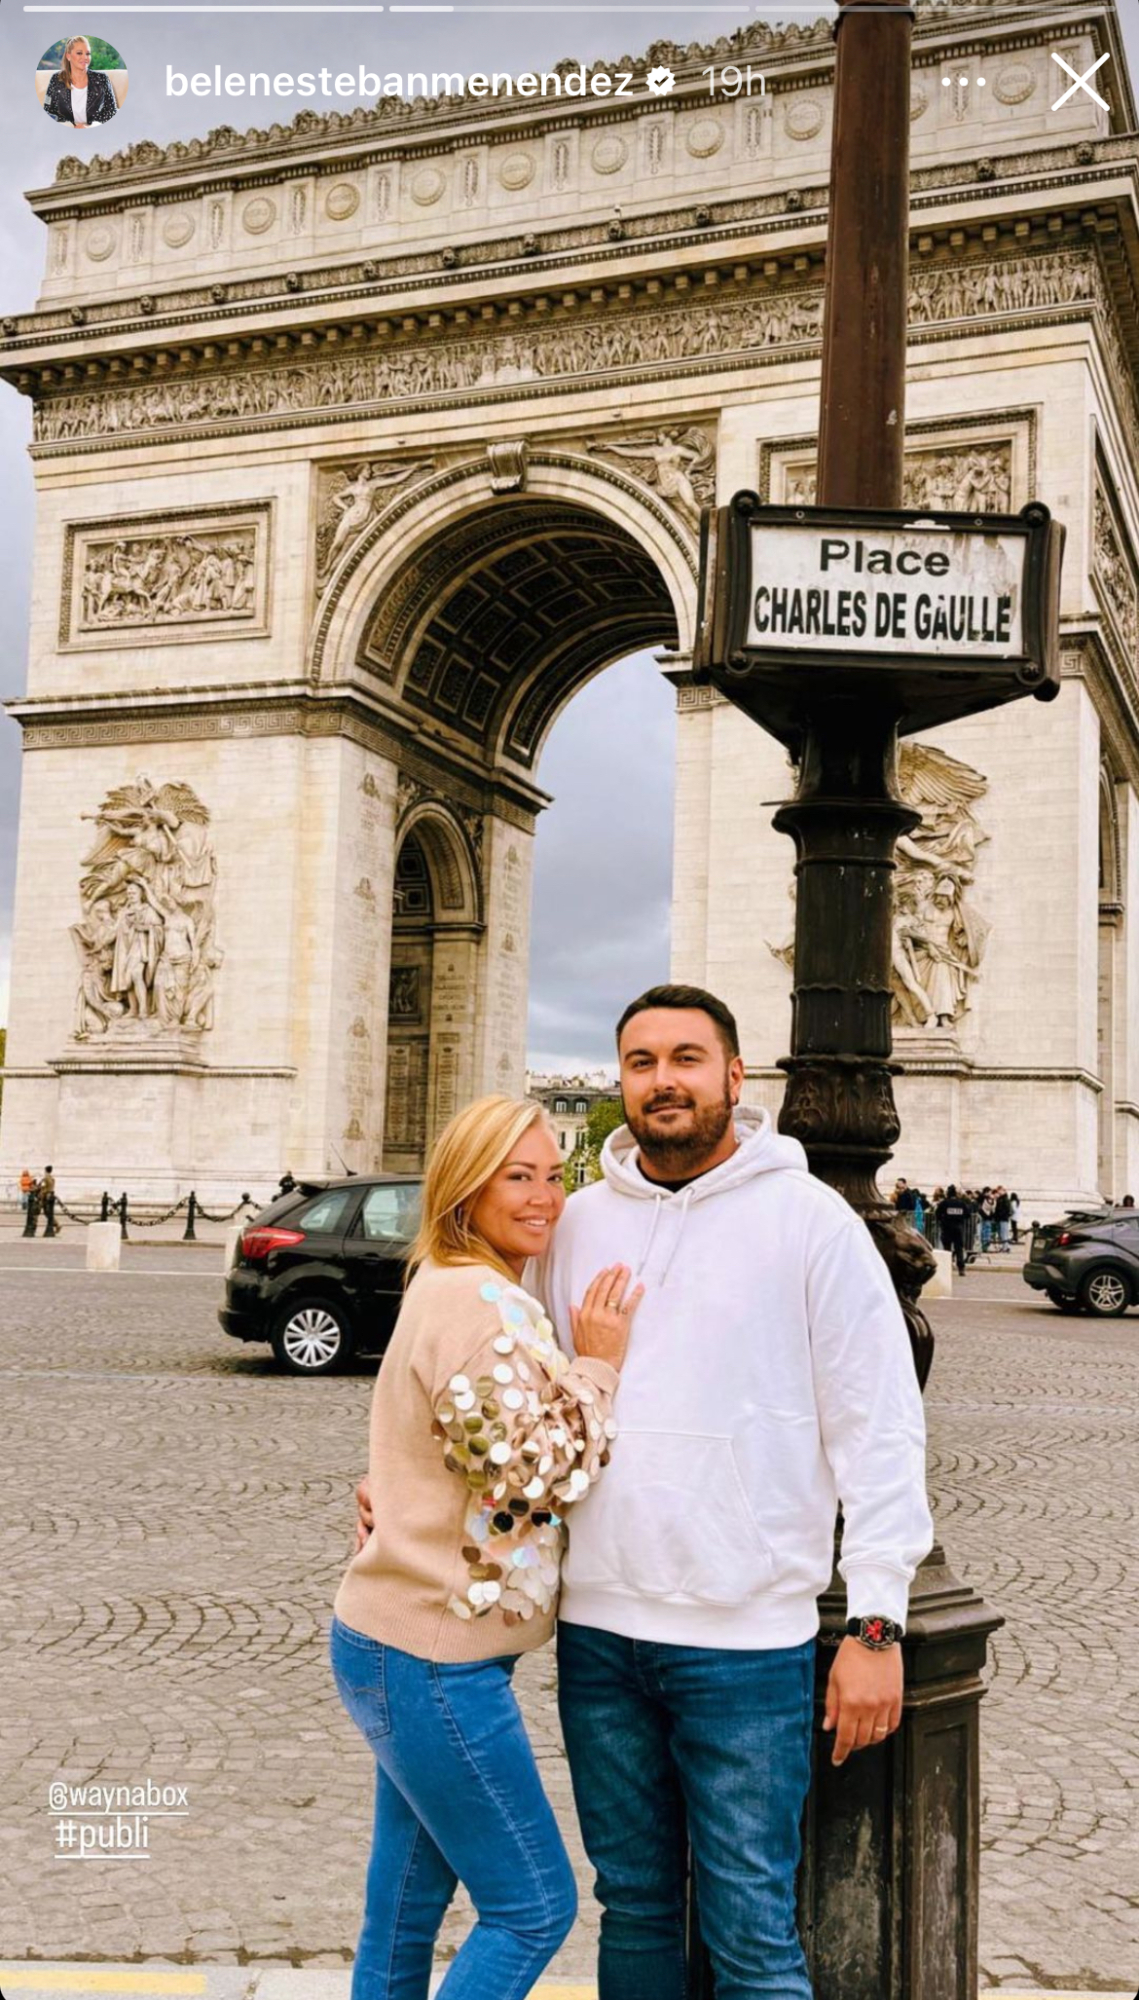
671 1744
458 1798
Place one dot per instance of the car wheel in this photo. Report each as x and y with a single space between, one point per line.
311 1337
1105 1293
1061 1301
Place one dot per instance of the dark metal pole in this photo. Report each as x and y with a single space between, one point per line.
890 1876
189 1234
863 386
121 1205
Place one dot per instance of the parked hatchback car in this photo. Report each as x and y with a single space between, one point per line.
319 1273
1089 1262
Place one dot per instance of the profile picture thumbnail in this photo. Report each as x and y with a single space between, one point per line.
81 81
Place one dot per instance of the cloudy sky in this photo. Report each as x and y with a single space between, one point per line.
600 930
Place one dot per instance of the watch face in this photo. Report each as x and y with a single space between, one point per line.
875 1631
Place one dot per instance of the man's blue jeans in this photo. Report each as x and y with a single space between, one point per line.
458 1798
674 1743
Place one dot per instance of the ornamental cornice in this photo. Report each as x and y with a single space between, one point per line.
286 708
366 281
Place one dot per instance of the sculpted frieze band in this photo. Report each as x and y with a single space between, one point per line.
643 337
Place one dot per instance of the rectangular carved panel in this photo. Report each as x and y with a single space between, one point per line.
155 578
983 464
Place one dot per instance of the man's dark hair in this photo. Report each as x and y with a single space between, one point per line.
686 997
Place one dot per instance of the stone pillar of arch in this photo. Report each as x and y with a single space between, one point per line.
437 930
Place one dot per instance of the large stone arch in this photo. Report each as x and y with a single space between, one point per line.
603 551
473 607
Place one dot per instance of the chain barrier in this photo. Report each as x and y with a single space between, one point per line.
73 1214
152 1221
122 1212
245 1202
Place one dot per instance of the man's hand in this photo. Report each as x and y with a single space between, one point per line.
864 1697
366 1520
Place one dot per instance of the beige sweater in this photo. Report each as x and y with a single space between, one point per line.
482 1433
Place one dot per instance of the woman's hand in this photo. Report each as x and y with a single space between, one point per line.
600 1324
365 1519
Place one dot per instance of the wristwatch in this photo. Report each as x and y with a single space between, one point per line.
877 1633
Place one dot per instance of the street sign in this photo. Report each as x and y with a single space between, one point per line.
944 613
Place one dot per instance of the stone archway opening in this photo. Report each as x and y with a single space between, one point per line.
436 929
484 633
492 626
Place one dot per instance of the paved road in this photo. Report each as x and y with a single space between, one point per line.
177 1516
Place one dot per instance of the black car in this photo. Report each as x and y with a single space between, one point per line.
1089 1262
319 1273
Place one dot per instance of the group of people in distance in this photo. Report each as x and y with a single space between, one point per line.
634 1413
965 1221
38 1197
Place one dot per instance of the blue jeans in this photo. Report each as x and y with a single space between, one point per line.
670 1744
458 1798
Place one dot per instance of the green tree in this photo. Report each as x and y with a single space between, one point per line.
103 56
603 1117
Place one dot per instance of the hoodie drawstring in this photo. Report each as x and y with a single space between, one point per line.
685 1205
658 1206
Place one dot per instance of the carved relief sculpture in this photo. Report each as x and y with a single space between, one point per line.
939 938
136 582
147 942
962 478
350 501
205 572
1114 572
679 464
645 336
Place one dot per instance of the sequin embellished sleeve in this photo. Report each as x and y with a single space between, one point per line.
529 1432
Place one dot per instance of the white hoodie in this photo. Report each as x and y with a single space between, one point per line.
768 1375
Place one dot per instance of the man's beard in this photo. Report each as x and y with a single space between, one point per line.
679 1153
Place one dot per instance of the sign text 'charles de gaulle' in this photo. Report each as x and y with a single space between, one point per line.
944 614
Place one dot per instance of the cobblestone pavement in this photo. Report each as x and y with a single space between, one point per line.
177 1516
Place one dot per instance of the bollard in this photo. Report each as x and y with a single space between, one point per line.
105 1207
188 1235
104 1246
122 1208
32 1216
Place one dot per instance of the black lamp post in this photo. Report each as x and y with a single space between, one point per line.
889 1882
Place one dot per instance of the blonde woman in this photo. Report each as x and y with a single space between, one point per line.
77 94
482 1435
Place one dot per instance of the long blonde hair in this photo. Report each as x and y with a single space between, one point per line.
467 1154
65 65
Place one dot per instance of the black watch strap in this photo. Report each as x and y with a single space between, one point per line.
876 1632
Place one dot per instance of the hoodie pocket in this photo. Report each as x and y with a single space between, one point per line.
670 1519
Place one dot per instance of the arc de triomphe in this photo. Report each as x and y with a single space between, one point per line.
361 442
